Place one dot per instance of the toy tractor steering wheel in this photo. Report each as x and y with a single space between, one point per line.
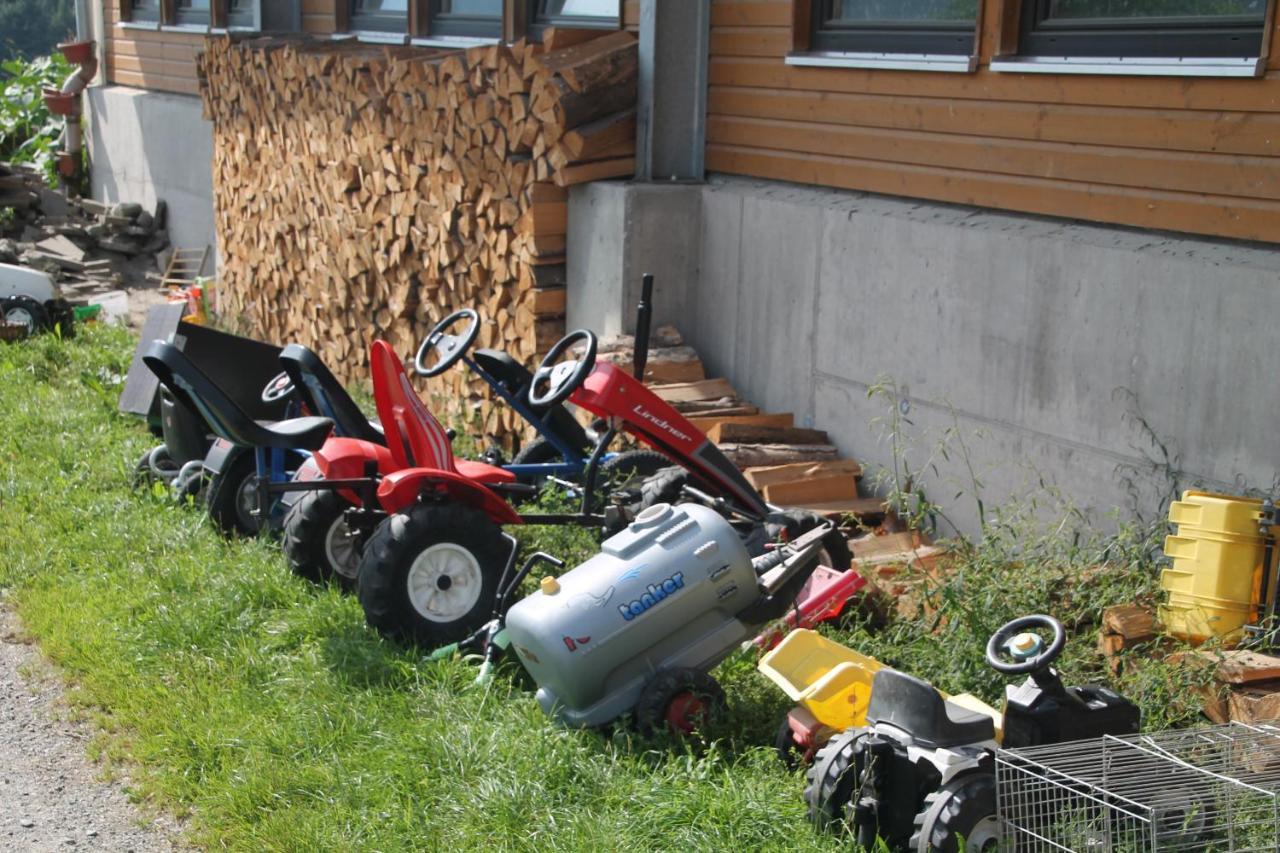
278 388
562 379
1013 650
448 348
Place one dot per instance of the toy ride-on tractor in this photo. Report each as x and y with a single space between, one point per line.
920 775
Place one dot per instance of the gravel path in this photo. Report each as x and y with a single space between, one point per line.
51 795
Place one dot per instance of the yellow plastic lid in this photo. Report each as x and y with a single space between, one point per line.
550 586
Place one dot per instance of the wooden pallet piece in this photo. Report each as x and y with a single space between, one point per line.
765 475
738 433
841 487
756 455
692 392
782 420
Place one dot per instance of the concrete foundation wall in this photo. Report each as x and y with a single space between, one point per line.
145 146
1046 344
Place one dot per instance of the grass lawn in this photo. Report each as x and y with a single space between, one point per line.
261 706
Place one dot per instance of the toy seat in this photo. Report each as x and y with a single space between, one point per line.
325 395
414 436
914 706
226 419
516 379
831 681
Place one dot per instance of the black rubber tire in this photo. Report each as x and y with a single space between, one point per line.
662 487
964 808
537 452
798 521
832 779
669 685
222 499
382 579
625 469
39 317
308 526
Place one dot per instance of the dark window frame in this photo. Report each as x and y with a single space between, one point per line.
380 22
1186 36
926 37
441 23
540 19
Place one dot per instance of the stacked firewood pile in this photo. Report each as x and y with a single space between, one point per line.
366 192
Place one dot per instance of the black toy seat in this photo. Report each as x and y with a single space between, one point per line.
227 420
516 379
325 395
907 703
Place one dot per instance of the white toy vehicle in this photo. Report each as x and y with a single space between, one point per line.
29 298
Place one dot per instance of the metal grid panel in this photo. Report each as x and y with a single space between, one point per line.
1214 789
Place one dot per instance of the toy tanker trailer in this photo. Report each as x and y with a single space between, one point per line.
638 627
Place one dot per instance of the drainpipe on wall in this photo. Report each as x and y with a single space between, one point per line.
67 102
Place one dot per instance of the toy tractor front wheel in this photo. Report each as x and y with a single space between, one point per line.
963 808
679 701
833 778
318 543
429 575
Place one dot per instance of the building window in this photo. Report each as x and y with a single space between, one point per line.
576 13
144 10
242 13
1143 28
475 18
192 12
386 15
894 26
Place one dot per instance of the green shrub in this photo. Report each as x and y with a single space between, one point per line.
28 132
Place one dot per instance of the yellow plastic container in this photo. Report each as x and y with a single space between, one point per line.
1217 513
831 681
1216 576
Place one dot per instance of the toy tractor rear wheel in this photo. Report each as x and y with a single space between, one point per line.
964 808
679 701
833 778
318 543
25 311
233 497
429 575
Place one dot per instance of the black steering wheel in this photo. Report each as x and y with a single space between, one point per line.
1000 650
564 378
278 388
448 348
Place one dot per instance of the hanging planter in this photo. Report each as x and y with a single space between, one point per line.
60 104
77 52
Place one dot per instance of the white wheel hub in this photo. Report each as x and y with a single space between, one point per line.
985 835
340 549
444 582
20 317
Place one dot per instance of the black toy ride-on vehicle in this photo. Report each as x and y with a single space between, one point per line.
920 776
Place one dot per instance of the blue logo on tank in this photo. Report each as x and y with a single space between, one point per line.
654 595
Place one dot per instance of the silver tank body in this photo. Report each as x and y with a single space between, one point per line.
662 593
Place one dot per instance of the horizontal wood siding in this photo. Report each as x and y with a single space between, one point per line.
1199 155
164 60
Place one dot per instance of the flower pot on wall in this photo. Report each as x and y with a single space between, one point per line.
60 104
77 52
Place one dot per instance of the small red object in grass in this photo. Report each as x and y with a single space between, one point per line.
687 712
822 598
77 52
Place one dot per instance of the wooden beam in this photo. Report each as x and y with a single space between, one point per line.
1004 18
801 24
419 18
515 20
341 16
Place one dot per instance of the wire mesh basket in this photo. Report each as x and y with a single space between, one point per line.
1212 789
